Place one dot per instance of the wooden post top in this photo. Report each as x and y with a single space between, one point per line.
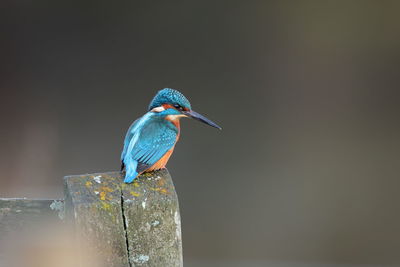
135 224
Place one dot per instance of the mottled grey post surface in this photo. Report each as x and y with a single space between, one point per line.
134 224
151 210
93 204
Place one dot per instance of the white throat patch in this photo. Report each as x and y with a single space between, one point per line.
158 109
175 117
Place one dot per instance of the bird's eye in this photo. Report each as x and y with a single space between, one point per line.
178 107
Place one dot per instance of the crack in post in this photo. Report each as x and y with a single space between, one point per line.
125 229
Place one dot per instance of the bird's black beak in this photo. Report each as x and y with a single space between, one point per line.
199 117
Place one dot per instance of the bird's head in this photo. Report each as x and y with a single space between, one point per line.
172 103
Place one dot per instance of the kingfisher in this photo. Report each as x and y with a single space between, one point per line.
151 139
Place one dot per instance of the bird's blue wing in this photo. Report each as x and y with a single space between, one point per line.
149 140
153 143
128 138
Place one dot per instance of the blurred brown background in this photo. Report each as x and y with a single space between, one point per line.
307 166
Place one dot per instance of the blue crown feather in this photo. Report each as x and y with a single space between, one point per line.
170 96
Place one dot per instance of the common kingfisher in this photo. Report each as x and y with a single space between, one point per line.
151 139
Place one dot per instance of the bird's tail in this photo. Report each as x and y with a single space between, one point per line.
131 172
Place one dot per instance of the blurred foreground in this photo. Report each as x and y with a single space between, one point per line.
46 245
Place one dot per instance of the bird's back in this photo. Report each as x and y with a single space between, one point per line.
147 141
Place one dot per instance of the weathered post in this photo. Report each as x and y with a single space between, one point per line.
152 221
129 225
116 224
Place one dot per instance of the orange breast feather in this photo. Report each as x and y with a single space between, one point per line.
161 163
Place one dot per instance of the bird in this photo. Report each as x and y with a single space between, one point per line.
151 139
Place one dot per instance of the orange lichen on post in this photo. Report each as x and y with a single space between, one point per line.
161 182
135 194
160 189
103 195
